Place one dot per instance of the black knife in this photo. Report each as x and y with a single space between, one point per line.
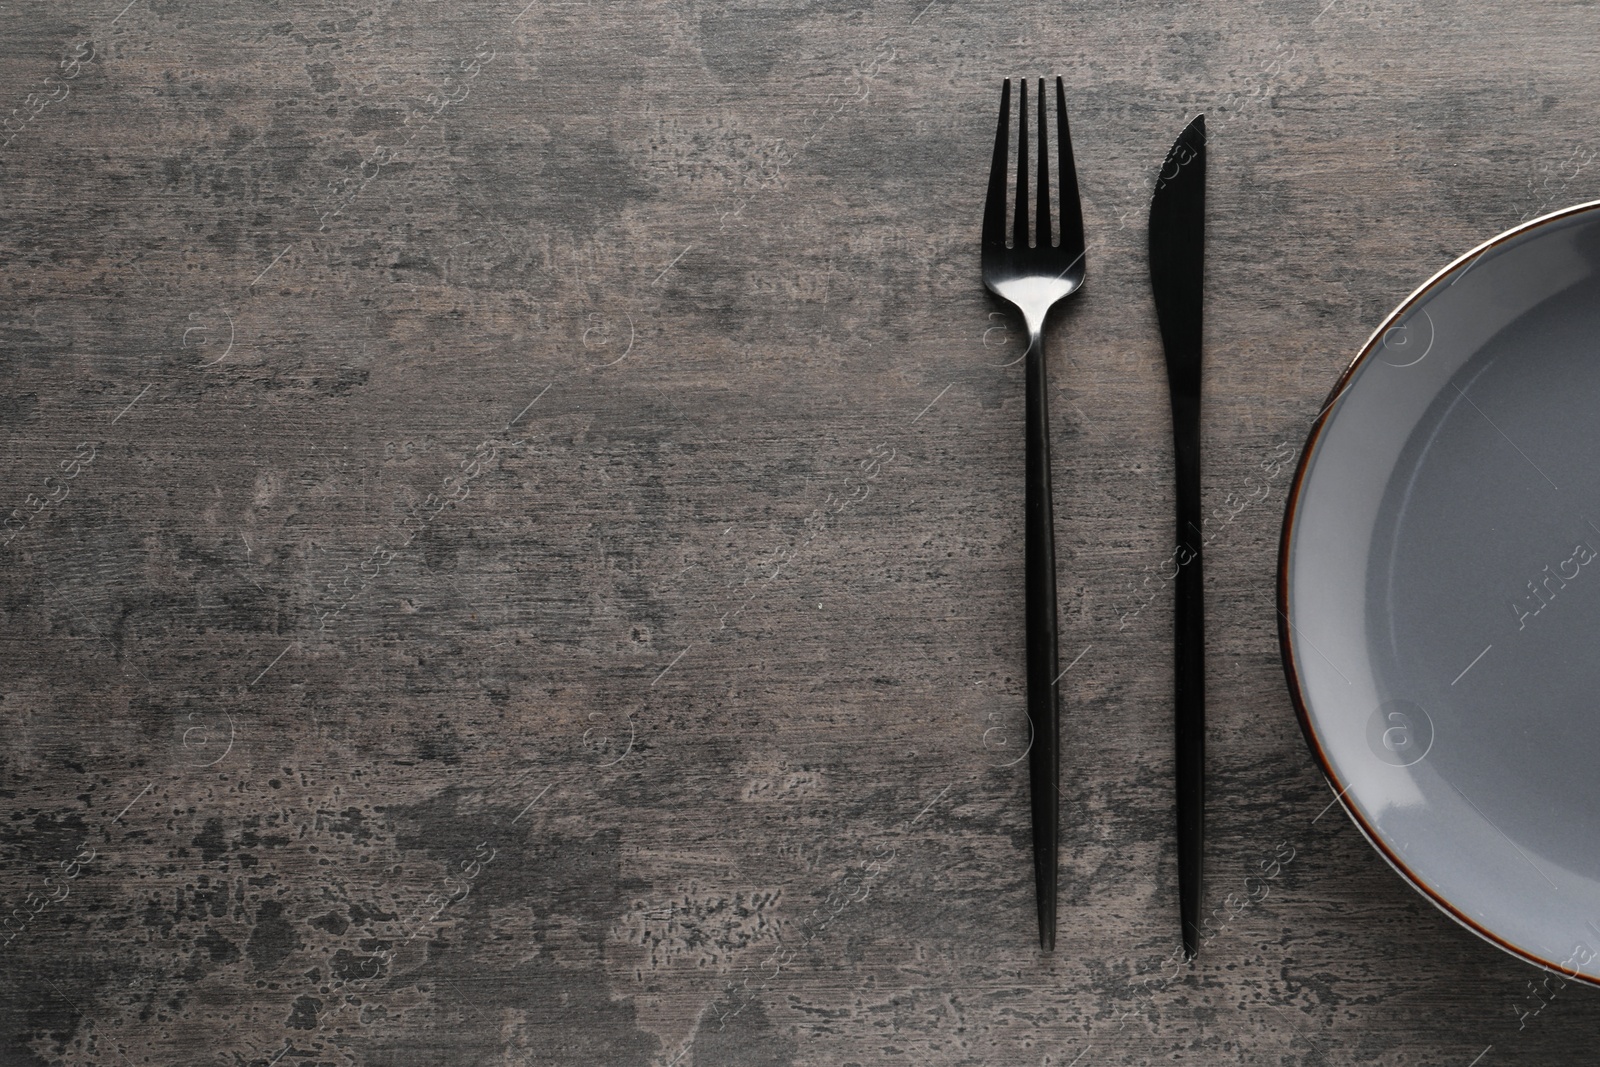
1177 266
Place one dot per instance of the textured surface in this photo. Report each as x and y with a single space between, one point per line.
518 521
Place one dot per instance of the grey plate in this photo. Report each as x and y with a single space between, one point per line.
1439 590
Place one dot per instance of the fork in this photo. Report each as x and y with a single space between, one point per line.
1033 278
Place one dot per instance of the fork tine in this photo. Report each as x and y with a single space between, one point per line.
1067 175
994 208
1042 212
1019 232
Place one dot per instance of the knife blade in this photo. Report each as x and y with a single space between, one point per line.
1177 268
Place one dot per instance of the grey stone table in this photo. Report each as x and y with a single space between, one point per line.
518 529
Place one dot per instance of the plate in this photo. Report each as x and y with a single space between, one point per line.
1439 590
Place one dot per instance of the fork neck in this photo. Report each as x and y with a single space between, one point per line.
1033 320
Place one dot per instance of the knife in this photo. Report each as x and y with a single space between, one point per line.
1177 266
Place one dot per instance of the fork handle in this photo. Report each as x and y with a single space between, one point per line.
1044 765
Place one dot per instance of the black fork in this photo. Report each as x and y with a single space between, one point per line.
1033 278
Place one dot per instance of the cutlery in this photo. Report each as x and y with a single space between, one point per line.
1033 278
1177 266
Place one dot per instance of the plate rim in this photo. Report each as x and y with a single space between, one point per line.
1285 635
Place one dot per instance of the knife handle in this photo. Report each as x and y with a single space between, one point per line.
1040 600
1189 674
